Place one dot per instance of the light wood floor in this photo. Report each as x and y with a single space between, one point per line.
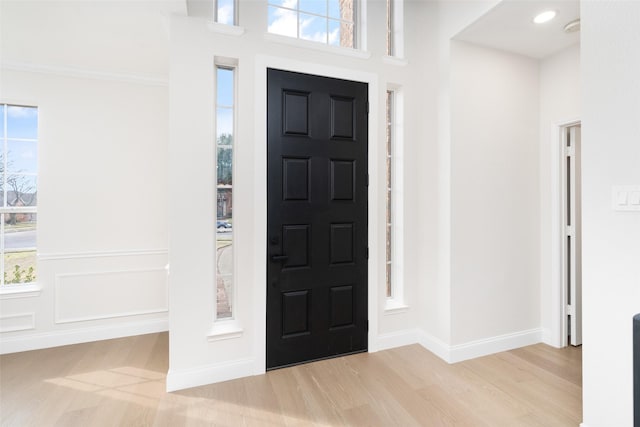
121 383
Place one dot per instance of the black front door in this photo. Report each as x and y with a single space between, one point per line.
316 217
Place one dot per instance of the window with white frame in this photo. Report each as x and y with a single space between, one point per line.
225 129
394 201
225 12
332 22
18 188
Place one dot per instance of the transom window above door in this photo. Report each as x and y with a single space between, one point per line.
332 22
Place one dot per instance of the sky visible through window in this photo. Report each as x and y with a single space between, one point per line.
19 155
225 13
22 122
325 21
224 102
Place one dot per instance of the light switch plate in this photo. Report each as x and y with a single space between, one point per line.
625 197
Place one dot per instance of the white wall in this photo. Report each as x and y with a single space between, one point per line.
194 358
611 249
102 221
443 20
559 105
494 195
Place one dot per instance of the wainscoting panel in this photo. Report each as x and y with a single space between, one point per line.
103 295
17 322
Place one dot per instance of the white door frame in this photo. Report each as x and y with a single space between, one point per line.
259 301
558 304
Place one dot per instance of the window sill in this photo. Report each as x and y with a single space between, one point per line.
393 60
306 44
230 30
395 307
225 330
20 291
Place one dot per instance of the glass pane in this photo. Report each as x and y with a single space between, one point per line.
21 190
224 194
22 122
334 33
225 166
334 9
224 251
20 247
318 7
225 87
225 12
388 252
1 120
313 28
2 189
341 33
389 294
283 22
389 198
388 261
389 161
224 125
22 156
224 275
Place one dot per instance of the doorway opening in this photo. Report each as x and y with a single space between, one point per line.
571 231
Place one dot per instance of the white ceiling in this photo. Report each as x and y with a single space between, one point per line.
509 26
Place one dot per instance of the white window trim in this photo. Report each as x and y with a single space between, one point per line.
392 60
230 30
396 303
308 44
18 290
224 330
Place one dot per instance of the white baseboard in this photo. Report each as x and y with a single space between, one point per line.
548 338
460 352
396 339
435 346
58 338
209 374
492 345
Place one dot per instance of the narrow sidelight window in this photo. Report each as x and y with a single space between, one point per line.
18 193
389 198
225 130
394 191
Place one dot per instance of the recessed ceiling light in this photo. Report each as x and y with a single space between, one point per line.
545 16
